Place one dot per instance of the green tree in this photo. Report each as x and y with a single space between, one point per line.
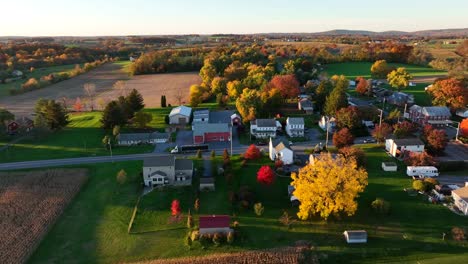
142 119
335 101
50 114
112 116
5 116
116 131
199 154
213 154
259 209
163 101
249 104
381 206
321 93
135 101
399 78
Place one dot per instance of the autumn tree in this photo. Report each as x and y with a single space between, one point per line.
78 106
286 84
419 159
121 176
348 117
265 175
219 85
90 92
381 132
196 205
252 153
259 209
354 153
362 86
196 95
234 89
436 140
175 208
329 186
399 78
141 119
449 92
249 104
271 100
343 138
207 73
464 127
403 129
380 69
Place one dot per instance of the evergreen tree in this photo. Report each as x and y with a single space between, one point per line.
163 101
50 114
135 101
337 98
112 116
126 108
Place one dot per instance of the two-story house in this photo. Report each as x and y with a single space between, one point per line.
295 126
281 151
434 115
167 170
398 147
327 121
263 128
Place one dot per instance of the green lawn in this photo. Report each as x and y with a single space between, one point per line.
355 69
94 228
81 138
37 73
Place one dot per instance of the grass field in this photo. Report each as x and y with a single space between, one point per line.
412 233
81 138
355 69
37 73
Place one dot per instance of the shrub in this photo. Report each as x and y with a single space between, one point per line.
199 154
230 238
31 84
188 241
218 239
419 185
195 235
166 119
431 183
259 209
235 224
458 234
121 176
243 163
278 163
381 206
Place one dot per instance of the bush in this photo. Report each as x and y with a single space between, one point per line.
431 183
419 185
230 238
381 206
218 239
259 209
195 235
188 241
458 234
166 119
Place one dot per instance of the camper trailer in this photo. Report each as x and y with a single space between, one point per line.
425 171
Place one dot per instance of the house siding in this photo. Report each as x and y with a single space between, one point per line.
461 204
214 230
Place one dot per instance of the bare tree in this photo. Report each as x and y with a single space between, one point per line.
90 91
64 100
179 96
101 102
121 86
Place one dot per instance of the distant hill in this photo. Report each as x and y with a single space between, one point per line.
462 32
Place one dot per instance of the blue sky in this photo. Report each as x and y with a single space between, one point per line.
145 17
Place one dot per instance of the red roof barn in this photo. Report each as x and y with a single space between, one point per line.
210 224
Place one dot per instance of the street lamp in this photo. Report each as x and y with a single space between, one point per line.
458 128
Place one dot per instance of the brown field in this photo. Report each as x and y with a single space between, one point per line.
30 203
104 77
290 255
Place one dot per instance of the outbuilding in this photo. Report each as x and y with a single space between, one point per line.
211 224
355 236
180 115
389 166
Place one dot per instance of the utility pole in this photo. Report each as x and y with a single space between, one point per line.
458 129
231 139
380 122
327 124
110 148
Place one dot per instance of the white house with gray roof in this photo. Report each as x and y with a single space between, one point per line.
167 170
263 128
280 150
130 139
295 126
180 115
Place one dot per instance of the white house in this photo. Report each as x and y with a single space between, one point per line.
295 126
426 171
305 105
331 123
460 199
355 236
389 166
281 151
180 115
462 112
397 147
263 128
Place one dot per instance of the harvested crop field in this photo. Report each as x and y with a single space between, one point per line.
30 203
173 85
290 255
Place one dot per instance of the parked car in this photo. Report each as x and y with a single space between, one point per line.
369 140
261 143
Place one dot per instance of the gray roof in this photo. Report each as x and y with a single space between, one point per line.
159 161
201 113
182 110
436 111
408 141
157 135
306 103
221 116
265 122
183 164
206 180
356 234
201 129
296 120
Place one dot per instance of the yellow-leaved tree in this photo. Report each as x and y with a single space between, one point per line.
328 186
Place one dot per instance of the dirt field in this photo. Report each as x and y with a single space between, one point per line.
104 77
30 203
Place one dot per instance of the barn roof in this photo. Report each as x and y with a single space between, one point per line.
181 110
214 221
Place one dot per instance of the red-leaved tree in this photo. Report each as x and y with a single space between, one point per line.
449 92
175 208
361 87
419 159
436 141
252 153
404 129
343 138
286 84
78 106
265 175
464 128
381 132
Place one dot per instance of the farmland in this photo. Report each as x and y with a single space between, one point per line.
174 85
30 203
411 233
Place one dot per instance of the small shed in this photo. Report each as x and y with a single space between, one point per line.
389 166
355 236
207 184
210 224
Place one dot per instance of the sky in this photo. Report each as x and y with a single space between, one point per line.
168 17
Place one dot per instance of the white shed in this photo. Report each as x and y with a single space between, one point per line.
355 236
389 166
180 115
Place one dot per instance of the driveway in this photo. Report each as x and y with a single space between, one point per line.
455 151
184 137
457 180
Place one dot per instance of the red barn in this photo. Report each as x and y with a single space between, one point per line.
211 132
12 127
210 224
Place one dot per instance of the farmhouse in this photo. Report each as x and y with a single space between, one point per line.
129 139
167 170
460 198
397 147
211 132
306 105
434 115
201 116
400 99
211 224
281 151
263 128
295 126
180 115
331 123
355 236
23 123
